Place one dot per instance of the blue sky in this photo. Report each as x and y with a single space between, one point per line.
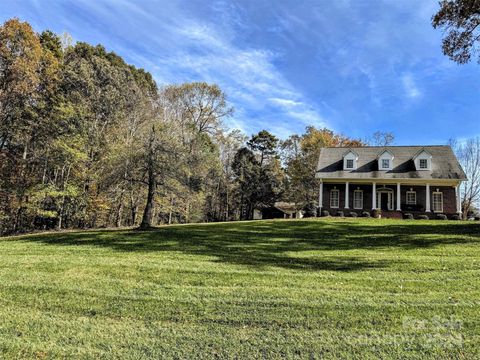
355 66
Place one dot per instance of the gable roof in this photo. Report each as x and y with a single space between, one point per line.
385 150
444 163
349 151
287 208
421 151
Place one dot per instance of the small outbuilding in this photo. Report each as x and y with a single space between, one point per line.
279 210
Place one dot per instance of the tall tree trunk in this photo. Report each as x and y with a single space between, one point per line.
118 215
148 212
62 204
44 172
226 205
16 223
170 211
147 218
243 208
24 155
133 210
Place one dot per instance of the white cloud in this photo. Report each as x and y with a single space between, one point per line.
285 103
194 46
299 110
289 65
410 87
249 77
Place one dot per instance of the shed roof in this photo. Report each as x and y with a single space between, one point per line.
287 208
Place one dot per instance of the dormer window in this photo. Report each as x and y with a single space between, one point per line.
350 159
423 160
385 160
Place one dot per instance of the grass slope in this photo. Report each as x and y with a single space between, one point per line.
330 288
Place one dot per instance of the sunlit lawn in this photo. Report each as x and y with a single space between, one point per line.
330 288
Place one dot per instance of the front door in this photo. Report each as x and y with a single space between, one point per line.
384 201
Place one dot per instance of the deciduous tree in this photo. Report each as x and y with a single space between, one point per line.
381 138
300 157
468 153
460 20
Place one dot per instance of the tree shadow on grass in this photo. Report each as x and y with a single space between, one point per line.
278 243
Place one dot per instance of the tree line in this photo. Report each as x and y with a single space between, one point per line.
87 141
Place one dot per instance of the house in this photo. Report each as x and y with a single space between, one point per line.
393 179
280 210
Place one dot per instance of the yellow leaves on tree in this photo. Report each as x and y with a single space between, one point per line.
20 58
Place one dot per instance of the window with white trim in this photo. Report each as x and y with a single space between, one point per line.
385 163
334 198
349 163
423 163
411 198
437 201
358 199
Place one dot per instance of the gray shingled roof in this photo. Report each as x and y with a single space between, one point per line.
444 163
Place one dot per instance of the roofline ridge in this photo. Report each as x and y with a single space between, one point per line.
381 146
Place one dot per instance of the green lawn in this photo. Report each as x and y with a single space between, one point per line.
330 288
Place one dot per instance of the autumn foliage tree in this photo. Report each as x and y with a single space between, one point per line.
28 79
300 156
87 141
460 19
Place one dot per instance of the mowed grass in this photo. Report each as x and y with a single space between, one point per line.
321 288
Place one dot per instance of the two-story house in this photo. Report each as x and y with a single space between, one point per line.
395 179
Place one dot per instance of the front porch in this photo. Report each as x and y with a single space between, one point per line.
394 200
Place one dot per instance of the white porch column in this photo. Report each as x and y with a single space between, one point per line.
398 198
427 198
320 196
458 198
347 190
374 196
